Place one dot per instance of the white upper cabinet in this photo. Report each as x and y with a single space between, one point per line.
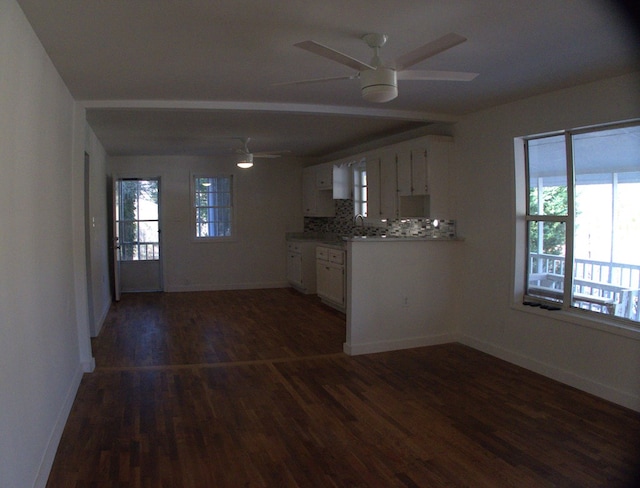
408 179
439 176
423 177
382 199
412 170
321 184
324 176
316 202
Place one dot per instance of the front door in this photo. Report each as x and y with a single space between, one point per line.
137 235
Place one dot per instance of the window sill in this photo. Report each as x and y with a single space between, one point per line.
209 240
575 316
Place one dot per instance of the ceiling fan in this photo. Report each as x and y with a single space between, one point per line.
378 81
245 157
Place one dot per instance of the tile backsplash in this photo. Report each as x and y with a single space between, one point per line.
343 224
442 228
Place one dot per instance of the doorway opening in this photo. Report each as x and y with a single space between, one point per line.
137 253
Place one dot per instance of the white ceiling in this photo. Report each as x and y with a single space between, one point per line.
182 77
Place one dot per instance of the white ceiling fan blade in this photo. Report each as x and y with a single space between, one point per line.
430 49
266 156
315 80
436 75
269 154
329 53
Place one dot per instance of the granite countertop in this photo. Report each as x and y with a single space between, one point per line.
339 241
399 238
325 239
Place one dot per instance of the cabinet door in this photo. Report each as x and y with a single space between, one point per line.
324 176
382 197
412 171
294 268
405 172
388 186
330 282
419 171
308 192
316 202
439 179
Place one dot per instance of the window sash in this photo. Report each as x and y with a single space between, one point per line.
360 189
566 286
213 206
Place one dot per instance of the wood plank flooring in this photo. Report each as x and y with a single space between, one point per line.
249 388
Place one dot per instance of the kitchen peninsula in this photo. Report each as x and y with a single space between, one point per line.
395 288
397 292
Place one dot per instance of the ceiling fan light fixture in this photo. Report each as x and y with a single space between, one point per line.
244 161
379 85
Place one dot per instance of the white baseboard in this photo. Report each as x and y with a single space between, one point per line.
229 286
56 433
103 316
626 399
88 366
395 345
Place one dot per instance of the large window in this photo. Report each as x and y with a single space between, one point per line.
583 221
213 206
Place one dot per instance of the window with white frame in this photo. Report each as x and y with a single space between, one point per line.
583 221
213 206
360 188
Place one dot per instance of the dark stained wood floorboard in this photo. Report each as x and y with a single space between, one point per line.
286 413
147 329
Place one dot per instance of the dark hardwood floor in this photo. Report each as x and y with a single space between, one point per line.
249 388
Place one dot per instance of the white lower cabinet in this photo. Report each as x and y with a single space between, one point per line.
301 269
330 275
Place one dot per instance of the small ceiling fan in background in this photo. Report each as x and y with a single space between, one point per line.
378 81
245 157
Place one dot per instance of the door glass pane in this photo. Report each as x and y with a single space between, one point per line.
547 176
148 231
147 208
137 219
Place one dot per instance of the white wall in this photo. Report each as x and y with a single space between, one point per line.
41 355
399 294
268 204
598 361
98 242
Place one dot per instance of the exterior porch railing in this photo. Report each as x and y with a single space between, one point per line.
610 288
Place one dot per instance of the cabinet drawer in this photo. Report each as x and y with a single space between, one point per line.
294 247
322 253
336 256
